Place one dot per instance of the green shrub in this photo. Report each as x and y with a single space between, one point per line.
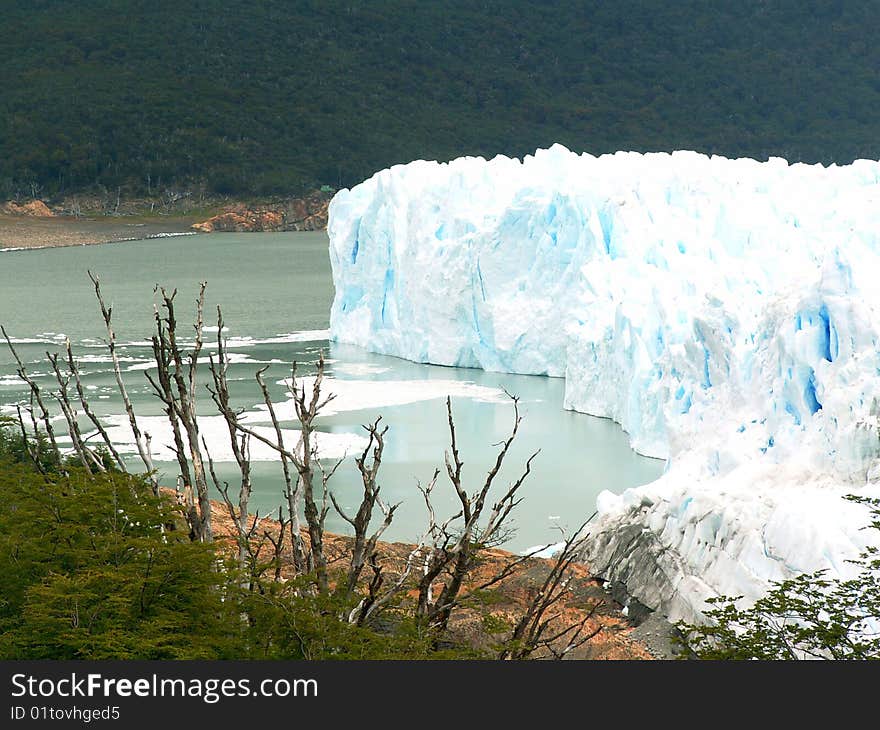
97 567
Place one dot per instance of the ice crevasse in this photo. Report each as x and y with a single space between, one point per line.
725 312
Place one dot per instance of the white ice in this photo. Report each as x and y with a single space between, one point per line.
214 431
725 312
374 395
348 395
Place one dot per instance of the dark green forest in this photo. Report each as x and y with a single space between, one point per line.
263 98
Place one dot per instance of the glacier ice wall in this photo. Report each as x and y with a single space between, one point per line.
725 312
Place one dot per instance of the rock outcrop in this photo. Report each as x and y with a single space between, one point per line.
33 209
299 214
242 221
308 213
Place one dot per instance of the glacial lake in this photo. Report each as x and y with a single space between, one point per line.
275 291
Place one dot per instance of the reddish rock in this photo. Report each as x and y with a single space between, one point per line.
308 213
298 214
34 209
248 221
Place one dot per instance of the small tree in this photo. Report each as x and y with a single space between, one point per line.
453 548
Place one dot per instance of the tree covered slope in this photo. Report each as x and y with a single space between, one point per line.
283 96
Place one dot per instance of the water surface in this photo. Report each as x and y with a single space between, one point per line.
275 291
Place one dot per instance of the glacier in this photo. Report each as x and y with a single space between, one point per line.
725 312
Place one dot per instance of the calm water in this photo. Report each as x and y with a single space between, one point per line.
275 291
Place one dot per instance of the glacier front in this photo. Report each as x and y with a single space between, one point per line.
725 312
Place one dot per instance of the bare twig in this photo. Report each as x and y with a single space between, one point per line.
26 443
455 553
291 491
82 451
141 443
35 394
74 372
364 545
175 386
529 633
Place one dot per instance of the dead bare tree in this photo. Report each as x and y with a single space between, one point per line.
175 386
534 630
73 368
244 534
85 454
448 551
142 441
164 390
36 396
304 457
33 453
364 546
376 599
292 491
316 520
240 443
455 546
445 554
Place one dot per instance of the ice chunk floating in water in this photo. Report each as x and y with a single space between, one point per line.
725 312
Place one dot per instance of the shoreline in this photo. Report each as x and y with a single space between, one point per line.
88 221
19 233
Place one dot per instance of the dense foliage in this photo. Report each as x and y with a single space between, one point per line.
96 567
248 97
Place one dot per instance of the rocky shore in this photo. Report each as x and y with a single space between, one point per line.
83 220
298 214
29 232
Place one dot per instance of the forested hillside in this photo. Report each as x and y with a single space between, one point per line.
261 98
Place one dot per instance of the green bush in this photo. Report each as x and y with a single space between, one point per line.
97 567
91 567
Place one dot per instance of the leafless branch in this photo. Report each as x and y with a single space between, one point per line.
175 386
82 451
26 442
368 464
292 491
74 372
454 554
141 443
528 634
35 394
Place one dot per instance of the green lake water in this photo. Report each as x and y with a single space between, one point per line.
275 291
